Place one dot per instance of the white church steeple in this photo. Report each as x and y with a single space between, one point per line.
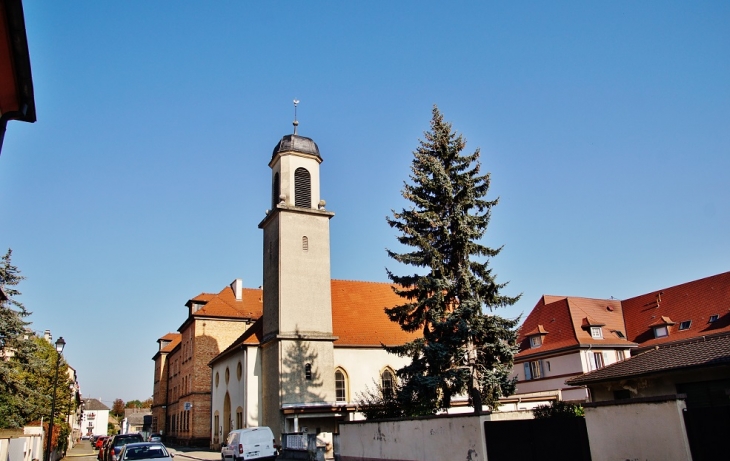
297 344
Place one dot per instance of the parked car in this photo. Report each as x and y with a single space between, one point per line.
154 438
144 450
252 443
99 441
101 456
117 442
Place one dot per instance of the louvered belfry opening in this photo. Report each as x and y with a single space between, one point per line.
275 190
302 188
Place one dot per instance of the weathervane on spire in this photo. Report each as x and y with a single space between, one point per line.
296 124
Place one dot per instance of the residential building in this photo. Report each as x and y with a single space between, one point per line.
667 317
94 417
181 397
564 337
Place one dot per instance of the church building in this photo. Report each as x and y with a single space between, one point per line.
305 346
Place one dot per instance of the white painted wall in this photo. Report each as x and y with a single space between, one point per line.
100 421
363 367
638 431
432 439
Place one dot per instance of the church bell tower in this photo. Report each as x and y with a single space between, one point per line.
297 346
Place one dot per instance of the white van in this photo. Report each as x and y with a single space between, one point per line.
252 443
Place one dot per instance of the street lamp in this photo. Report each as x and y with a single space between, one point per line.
60 343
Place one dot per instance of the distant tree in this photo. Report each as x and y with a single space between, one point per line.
147 403
118 408
133 404
558 409
462 350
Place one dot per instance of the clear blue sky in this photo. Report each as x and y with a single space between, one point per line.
605 125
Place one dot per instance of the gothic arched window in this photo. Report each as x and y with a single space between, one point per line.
387 381
302 188
340 386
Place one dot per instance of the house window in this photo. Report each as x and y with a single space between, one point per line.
685 325
239 371
536 341
661 331
533 370
302 188
622 394
228 375
217 378
596 333
308 371
387 381
340 386
598 360
619 334
620 356
305 243
713 318
239 418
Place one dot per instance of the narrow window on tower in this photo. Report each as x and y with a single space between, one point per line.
305 243
308 371
302 188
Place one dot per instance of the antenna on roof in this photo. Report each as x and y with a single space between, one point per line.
296 124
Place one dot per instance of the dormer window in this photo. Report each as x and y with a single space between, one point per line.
196 307
661 327
713 318
593 327
685 325
536 336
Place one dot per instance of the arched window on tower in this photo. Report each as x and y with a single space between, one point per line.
275 190
302 188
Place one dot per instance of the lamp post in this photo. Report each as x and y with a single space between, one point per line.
60 343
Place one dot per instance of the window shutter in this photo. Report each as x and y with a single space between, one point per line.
528 375
542 370
605 358
302 188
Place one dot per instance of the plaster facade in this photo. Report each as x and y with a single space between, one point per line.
653 430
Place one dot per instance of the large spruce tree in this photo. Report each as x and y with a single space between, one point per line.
465 349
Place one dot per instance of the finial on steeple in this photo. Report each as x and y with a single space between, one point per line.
296 124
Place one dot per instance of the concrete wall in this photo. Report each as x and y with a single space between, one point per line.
648 430
440 438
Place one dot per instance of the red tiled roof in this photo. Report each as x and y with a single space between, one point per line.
169 337
695 301
700 352
540 330
174 339
563 318
358 316
224 304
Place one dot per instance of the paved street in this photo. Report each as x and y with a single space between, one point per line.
83 452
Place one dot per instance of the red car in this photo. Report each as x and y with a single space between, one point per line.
99 442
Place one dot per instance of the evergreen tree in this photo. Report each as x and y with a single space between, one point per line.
12 311
463 350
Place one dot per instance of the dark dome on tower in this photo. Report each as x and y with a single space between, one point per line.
296 143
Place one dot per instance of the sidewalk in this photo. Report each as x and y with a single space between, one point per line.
81 449
194 453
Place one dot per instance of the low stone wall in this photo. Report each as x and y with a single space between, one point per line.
436 438
638 429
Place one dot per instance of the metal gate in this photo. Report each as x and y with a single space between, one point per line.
563 439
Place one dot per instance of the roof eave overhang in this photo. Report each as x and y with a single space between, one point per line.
13 24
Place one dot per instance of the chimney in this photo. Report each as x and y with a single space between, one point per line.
237 286
47 336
